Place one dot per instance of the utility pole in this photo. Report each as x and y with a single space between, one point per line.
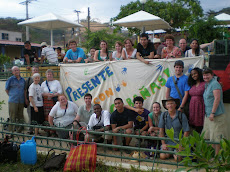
78 29
88 19
88 25
77 15
27 17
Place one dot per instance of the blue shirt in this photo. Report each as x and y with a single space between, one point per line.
79 53
182 84
209 98
169 123
16 89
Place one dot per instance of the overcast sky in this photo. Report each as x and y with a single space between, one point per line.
102 10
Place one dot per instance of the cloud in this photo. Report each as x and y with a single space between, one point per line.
12 9
99 9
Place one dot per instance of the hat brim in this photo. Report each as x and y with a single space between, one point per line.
177 101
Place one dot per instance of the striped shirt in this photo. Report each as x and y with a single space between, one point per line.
50 54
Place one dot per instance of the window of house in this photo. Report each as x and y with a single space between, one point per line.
5 36
18 39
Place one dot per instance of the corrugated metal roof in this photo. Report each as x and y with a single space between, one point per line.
5 42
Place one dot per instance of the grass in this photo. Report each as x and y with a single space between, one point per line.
101 167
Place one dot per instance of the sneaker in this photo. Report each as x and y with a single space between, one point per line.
11 136
127 151
138 144
48 134
54 135
30 132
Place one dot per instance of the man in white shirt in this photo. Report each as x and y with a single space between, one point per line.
99 121
49 54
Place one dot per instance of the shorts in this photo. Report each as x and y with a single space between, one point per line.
97 136
64 134
37 117
120 138
215 130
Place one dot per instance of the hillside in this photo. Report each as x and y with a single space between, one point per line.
36 35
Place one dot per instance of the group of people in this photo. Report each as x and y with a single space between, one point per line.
145 50
47 53
46 102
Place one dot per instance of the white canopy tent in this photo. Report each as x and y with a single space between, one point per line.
50 22
143 19
223 17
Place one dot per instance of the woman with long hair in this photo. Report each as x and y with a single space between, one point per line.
154 118
196 106
116 56
103 54
129 52
195 49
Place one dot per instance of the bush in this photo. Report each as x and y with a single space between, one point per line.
4 59
1 103
197 154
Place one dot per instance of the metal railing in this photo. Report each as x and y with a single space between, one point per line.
65 144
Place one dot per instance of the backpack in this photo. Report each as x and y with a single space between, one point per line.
179 117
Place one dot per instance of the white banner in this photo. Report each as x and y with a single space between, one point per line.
125 79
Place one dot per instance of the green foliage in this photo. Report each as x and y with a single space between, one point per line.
1 103
197 154
177 13
92 39
100 167
4 59
206 30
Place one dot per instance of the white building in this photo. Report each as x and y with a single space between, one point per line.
10 36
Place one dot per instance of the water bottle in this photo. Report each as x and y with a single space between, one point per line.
28 152
51 93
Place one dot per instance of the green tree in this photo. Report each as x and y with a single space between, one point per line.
177 13
206 30
92 39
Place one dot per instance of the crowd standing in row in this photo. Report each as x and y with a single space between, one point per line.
200 91
145 50
47 103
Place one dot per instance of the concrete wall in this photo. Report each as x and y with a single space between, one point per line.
13 51
11 35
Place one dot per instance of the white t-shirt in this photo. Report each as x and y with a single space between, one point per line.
62 119
50 54
54 86
188 53
36 92
115 58
133 56
105 119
